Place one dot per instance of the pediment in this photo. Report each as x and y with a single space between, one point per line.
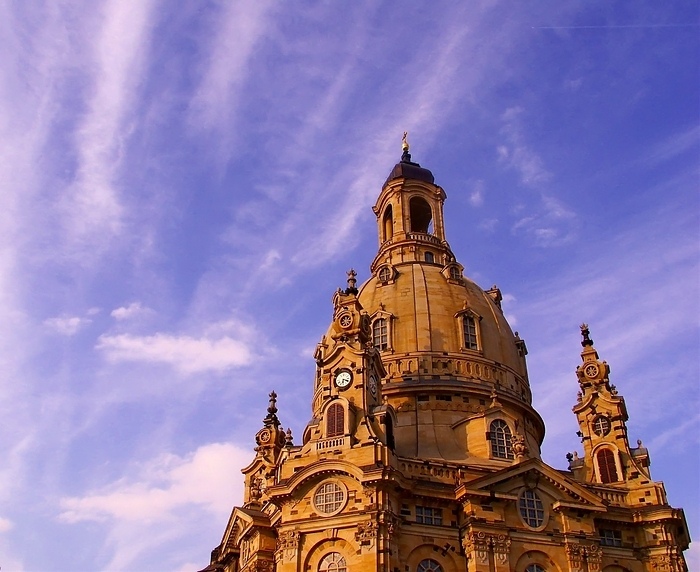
243 520
565 491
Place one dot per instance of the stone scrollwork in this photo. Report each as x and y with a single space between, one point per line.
366 533
594 557
501 548
287 544
574 554
478 544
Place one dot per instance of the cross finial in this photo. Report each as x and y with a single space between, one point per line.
406 156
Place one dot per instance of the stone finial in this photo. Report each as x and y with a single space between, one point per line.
352 282
585 332
289 440
271 417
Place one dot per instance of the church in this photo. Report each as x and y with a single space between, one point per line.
422 453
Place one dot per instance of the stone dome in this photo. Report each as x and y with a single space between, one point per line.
424 307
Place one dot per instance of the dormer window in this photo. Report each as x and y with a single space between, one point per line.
380 334
501 440
468 322
455 274
471 342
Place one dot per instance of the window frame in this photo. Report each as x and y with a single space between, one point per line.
337 503
500 438
335 420
429 565
469 341
610 537
428 515
535 516
339 564
611 468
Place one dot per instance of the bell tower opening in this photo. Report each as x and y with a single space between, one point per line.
421 215
388 224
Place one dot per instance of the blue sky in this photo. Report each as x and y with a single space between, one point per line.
183 186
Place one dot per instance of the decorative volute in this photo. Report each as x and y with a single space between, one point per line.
602 416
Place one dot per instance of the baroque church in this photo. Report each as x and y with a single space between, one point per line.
423 449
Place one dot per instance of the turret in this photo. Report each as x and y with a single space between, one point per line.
602 416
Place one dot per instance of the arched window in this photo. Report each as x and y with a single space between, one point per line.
535 568
429 565
606 466
471 341
455 274
333 562
500 437
421 215
429 257
531 509
335 420
380 334
388 223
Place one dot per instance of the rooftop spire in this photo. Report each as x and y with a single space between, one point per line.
352 282
587 341
406 156
271 417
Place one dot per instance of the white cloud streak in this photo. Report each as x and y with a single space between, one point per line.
67 325
186 354
94 207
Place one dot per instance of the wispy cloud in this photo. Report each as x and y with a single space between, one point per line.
162 499
94 207
131 311
67 325
5 525
214 105
186 354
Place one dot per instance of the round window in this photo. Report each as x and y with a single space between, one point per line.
384 274
535 568
329 498
531 509
601 425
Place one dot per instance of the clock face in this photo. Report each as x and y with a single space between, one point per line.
343 379
372 383
345 320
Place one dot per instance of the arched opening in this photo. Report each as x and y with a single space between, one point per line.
388 223
606 466
335 420
389 432
421 215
